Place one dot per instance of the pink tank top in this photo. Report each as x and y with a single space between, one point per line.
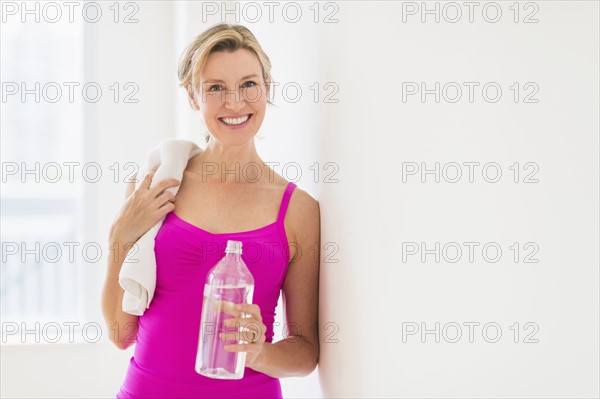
165 353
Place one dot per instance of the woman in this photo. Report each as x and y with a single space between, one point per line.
227 78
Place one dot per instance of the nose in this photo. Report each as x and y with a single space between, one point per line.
234 100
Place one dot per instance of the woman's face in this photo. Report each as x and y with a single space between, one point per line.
232 96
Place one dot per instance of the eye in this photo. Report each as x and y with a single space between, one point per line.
210 88
249 83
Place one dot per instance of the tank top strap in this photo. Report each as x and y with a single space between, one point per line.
285 201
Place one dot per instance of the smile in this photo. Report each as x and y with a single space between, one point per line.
238 122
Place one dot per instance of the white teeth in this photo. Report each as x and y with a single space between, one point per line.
235 121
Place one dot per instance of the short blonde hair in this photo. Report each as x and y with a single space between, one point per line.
220 37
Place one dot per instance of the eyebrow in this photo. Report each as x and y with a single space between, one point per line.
222 81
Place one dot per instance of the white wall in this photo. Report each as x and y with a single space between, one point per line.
369 293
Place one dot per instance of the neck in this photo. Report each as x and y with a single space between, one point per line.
229 164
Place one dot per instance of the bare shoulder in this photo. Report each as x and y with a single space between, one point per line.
302 203
304 218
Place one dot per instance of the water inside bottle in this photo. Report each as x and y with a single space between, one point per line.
212 359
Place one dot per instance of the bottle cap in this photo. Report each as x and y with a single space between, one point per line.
233 247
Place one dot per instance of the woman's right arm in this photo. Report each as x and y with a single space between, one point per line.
142 209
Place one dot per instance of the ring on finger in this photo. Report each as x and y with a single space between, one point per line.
254 335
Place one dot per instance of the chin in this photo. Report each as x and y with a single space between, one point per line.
234 139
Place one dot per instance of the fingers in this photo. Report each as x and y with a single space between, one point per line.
246 319
163 210
164 199
225 307
244 329
241 309
148 178
249 310
231 337
249 330
244 322
160 186
228 307
163 185
232 344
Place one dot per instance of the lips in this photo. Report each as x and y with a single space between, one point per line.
235 120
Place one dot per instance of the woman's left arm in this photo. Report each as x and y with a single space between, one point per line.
298 354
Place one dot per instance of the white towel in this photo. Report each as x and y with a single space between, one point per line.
138 275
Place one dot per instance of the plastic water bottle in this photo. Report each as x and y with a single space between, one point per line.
229 280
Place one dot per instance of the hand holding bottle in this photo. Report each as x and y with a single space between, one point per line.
226 308
246 318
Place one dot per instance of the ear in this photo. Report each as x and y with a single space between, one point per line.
191 98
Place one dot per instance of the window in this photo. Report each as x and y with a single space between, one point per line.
42 151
